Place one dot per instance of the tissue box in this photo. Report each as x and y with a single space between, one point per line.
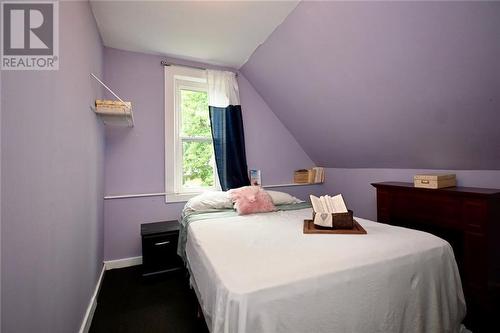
435 181
340 220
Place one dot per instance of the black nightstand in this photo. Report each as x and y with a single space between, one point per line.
159 247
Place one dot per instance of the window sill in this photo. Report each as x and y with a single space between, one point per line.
180 197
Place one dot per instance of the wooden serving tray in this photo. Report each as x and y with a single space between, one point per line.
311 228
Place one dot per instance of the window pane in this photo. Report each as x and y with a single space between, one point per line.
195 117
198 162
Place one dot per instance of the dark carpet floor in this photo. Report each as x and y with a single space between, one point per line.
128 302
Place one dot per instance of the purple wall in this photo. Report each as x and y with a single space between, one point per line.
354 184
135 156
387 84
1 214
52 184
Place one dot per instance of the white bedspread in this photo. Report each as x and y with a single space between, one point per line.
259 273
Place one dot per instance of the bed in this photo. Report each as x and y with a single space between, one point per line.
260 273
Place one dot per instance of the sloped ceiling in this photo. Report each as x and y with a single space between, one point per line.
387 84
217 32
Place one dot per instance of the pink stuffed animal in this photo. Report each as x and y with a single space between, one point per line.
251 199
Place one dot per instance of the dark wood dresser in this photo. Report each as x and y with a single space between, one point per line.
469 219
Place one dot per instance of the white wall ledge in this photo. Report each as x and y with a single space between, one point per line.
159 194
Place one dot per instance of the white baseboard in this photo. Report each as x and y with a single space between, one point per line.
89 314
120 263
110 264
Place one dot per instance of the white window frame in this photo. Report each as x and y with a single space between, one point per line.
177 78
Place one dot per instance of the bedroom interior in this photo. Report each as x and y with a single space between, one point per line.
129 154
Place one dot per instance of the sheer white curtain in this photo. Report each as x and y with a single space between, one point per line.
222 89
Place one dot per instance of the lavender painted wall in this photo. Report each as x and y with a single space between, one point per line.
355 184
404 84
1 107
135 157
52 184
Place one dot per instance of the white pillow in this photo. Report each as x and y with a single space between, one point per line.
282 198
209 200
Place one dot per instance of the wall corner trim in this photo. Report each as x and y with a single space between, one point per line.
89 314
120 263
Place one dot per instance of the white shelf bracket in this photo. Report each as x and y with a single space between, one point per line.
107 88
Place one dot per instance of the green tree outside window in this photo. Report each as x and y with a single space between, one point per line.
197 148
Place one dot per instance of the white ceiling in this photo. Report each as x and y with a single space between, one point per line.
217 32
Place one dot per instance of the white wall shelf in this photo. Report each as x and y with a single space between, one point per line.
291 184
159 194
113 113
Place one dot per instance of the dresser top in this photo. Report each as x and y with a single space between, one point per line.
159 227
455 189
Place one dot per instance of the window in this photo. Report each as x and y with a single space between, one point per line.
189 154
197 161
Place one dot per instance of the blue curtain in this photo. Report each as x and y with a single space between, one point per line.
229 146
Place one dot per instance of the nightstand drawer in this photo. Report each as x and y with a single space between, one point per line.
159 253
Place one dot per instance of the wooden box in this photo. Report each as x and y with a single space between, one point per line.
115 112
301 176
435 181
340 220
112 108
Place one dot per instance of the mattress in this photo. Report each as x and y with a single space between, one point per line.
260 273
